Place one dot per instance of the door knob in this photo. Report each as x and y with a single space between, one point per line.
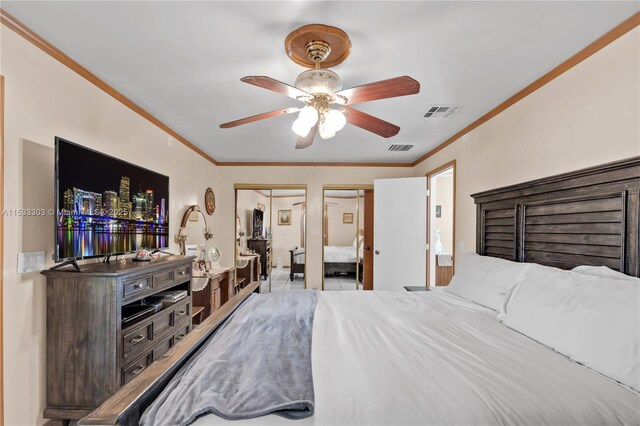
377 251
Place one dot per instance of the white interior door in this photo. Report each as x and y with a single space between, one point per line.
400 243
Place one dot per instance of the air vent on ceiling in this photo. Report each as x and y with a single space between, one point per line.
400 147
441 111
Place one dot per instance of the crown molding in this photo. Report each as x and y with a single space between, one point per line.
310 164
603 41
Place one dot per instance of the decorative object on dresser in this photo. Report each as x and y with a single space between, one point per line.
210 201
91 351
263 248
187 228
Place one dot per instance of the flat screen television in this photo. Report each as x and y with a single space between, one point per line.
106 206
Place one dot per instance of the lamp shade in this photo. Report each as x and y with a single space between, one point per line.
325 131
335 120
300 128
309 116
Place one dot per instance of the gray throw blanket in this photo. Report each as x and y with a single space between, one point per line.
257 363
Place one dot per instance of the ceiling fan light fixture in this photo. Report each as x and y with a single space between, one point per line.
320 81
300 128
325 130
335 120
309 116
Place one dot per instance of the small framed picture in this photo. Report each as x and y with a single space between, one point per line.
284 217
438 211
260 207
347 217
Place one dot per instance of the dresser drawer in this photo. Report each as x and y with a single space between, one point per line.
163 323
171 316
132 370
163 347
134 286
182 311
163 277
135 338
215 283
181 272
182 330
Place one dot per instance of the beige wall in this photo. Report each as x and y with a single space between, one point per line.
589 115
45 99
342 234
285 237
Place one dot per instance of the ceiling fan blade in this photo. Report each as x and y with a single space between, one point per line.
307 140
391 88
258 117
371 123
276 86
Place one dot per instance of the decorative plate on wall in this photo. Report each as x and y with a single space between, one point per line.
210 201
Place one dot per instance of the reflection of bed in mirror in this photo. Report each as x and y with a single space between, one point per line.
337 260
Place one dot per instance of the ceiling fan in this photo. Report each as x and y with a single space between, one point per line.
320 88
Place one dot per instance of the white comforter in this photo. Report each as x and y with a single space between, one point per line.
332 254
431 358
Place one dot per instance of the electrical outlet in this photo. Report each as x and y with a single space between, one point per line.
30 262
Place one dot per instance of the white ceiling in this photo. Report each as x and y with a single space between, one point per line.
182 62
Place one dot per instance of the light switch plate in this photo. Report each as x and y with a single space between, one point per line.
30 262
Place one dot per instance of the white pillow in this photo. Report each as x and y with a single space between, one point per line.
602 271
593 320
485 280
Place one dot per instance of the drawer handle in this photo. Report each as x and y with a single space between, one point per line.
181 313
137 370
139 285
180 337
137 339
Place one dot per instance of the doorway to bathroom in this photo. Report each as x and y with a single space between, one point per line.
441 207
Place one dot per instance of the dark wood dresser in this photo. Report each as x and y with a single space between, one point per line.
263 248
90 354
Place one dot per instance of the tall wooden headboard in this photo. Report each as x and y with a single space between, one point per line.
587 217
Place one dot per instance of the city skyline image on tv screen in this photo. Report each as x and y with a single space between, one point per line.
106 205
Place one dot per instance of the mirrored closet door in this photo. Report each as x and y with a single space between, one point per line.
345 227
271 235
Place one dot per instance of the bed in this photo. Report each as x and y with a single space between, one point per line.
337 260
436 357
